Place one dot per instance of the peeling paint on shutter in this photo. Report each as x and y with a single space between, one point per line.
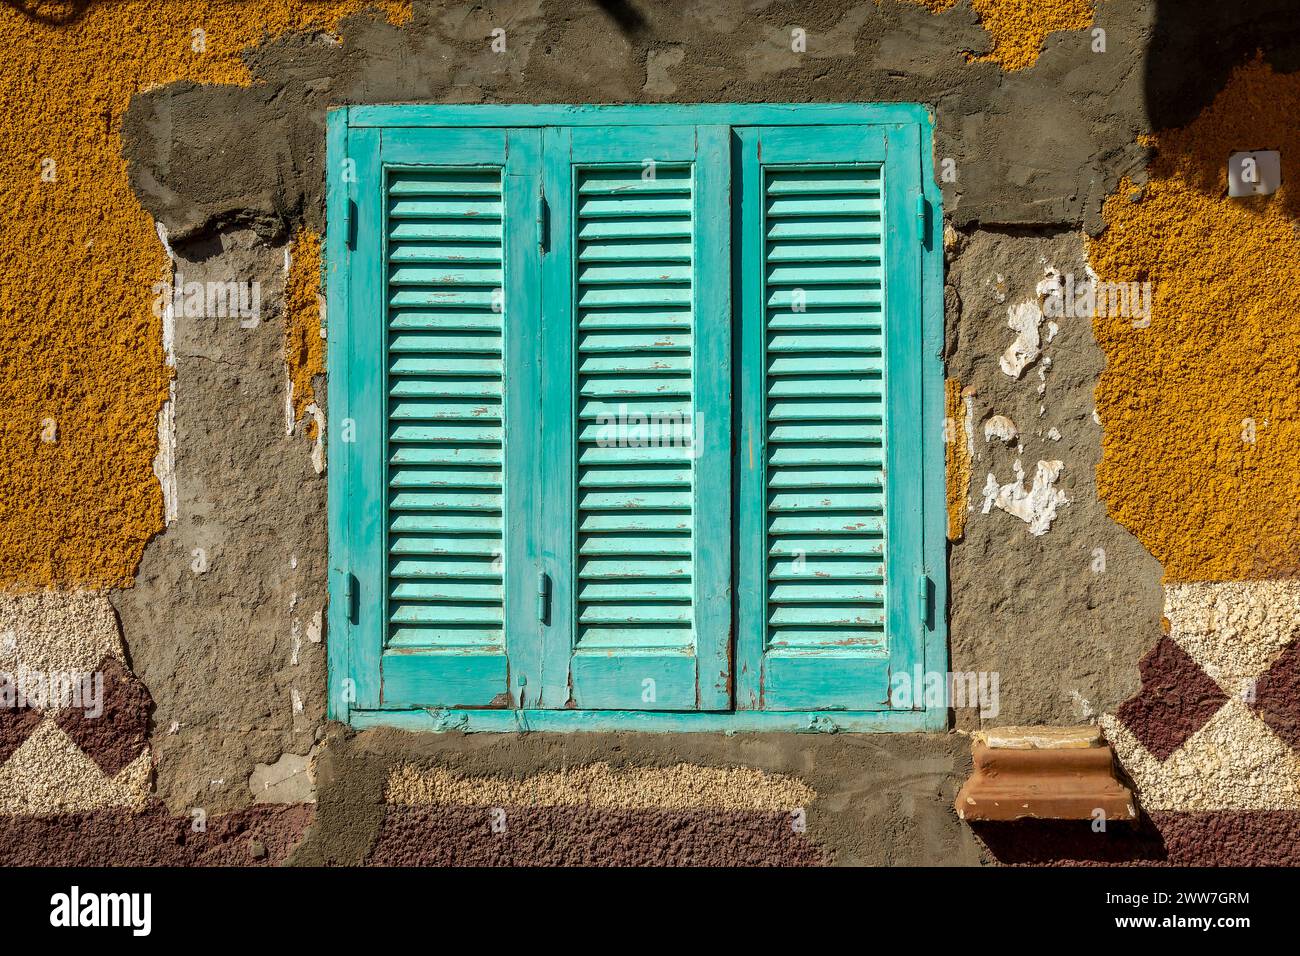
634 535
456 254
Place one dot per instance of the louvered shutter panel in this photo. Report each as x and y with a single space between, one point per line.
458 255
640 247
832 610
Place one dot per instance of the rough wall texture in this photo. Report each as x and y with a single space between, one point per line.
224 622
82 373
204 156
1019 27
1201 407
180 451
639 798
1031 146
1047 590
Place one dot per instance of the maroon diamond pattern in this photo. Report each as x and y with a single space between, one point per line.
1176 699
1277 696
120 734
16 725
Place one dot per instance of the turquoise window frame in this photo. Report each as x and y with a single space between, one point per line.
354 283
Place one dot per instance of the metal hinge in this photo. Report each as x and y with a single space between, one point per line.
923 599
543 223
543 597
349 222
350 596
923 219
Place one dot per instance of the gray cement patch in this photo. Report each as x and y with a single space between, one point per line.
210 623
882 799
1063 617
1036 146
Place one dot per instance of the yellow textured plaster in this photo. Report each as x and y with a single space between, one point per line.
82 375
1019 27
1201 409
681 787
304 349
958 459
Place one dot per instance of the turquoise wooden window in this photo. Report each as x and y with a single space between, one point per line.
635 417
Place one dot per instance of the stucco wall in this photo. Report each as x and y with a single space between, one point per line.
161 489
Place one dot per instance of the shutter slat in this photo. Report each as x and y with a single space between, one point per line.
445 411
633 545
623 386
452 409
655 343
616 639
445 523
466 567
460 546
663 568
464 273
463 206
825 412
416 637
597 319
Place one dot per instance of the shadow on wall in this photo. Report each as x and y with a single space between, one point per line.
625 14
1195 45
56 13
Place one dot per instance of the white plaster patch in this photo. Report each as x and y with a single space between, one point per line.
1001 428
289 420
1035 506
318 448
164 461
1023 319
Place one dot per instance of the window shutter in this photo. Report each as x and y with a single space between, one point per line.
640 431
452 279
829 556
